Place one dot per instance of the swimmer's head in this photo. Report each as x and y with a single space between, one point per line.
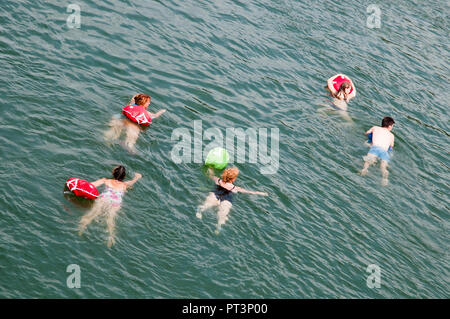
119 173
387 122
230 174
344 89
142 100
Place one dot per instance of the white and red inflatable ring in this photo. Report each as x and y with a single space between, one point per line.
82 188
137 114
338 80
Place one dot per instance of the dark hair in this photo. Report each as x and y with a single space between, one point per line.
387 121
119 173
344 85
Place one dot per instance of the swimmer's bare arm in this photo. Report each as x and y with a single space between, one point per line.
392 144
370 130
211 175
132 100
353 94
99 182
330 85
134 180
157 114
242 190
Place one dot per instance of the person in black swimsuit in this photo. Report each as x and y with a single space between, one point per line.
222 195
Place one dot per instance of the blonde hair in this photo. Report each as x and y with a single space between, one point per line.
141 99
230 174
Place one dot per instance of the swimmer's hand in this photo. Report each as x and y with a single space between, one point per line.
240 189
157 114
132 99
259 193
134 180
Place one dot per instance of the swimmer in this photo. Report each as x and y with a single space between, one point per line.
222 195
132 129
339 107
343 95
109 202
382 139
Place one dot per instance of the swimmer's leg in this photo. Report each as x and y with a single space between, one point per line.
341 105
222 214
110 224
384 172
116 126
369 159
323 109
210 201
93 213
132 136
345 116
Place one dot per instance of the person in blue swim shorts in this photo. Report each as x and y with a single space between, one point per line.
382 142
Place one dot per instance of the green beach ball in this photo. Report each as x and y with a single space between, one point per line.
218 158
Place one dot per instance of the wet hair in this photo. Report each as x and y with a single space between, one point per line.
344 85
119 173
230 174
141 99
387 121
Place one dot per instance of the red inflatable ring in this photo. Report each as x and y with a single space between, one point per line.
338 80
137 114
82 188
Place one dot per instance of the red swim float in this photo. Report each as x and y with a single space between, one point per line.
82 188
338 80
137 114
